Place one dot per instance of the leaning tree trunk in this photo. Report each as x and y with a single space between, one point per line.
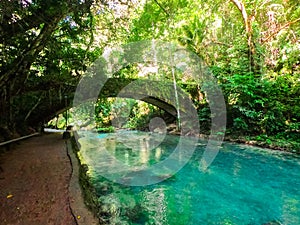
21 65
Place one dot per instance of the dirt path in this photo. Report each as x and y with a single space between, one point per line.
34 183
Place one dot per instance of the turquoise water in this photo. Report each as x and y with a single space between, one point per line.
243 185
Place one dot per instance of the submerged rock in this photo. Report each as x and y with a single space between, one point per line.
137 214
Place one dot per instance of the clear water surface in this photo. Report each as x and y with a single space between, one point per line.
244 185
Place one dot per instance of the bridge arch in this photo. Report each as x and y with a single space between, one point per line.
157 93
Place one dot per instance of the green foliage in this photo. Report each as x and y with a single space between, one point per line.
141 115
47 45
204 115
111 114
102 113
261 106
123 113
261 85
44 50
109 129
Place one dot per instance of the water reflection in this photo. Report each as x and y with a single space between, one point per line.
110 145
144 156
158 154
143 149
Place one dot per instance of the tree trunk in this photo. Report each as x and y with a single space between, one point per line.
12 79
17 63
253 67
20 67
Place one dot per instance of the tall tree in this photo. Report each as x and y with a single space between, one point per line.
248 20
41 42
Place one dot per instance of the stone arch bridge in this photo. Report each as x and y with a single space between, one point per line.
158 93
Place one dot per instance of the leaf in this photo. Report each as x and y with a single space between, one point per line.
9 196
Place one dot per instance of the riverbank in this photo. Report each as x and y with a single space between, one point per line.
284 142
273 143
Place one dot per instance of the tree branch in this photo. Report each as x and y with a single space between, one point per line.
218 43
163 9
33 108
243 11
279 29
22 63
21 26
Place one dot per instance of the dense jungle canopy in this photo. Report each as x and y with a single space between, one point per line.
251 46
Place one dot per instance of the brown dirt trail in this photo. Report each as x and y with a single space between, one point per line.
34 183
